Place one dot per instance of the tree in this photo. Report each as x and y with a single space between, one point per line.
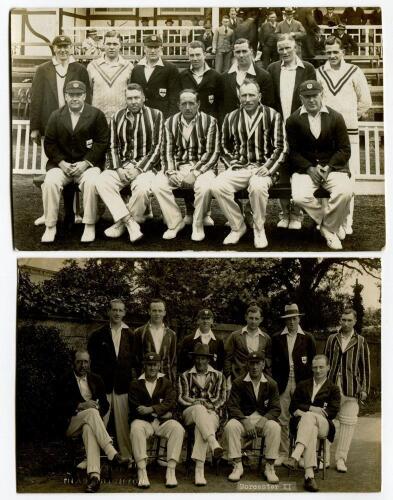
357 304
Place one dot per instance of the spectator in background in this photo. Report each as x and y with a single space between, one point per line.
207 37
318 15
375 18
306 17
233 19
169 38
248 30
292 26
347 42
91 45
354 16
267 39
331 18
222 45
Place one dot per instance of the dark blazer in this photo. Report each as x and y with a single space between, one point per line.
348 43
328 397
88 141
242 401
185 360
266 36
116 372
351 16
302 74
162 89
303 352
70 396
331 148
44 98
208 89
163 399
228 91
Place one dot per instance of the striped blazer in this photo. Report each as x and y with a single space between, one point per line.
213 392
202 147
264 144
353 363
139 142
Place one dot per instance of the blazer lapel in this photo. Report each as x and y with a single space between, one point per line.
66 115
298 80
156 72
256 123
83 117
52 81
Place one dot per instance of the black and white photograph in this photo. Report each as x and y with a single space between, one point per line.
167 375
197 129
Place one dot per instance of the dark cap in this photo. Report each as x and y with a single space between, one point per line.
92 32
75 87
310 87
255 356
152 41
340 27
152 357
205 314
62 40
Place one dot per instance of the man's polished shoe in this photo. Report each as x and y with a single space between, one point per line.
116 230
49 235
295 224
143 480
331 239
200 477
290 463
270 474
340 465
208 221
119 460
260 240
171 481
217 452
341 233
198 234
134 230
234 236
283 223
170 234
237 472
310 484
89 234
40 221
93 485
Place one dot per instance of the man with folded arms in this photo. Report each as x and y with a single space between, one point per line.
152 401
135 141
202 393
314 405
319 151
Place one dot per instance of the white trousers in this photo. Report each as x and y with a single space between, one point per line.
206 424
109 186
285 401
55 180
234 431
311 427
334 212
353 163
229 182
171 430
95 436
119 404
348 417
163 191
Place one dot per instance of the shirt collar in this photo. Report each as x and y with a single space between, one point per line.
259 331
84 377
129 113
351 335
206 68
235 68
55 62
210 369
299 330
198 334
343 67
120 61
320 384
77 113
322 110
299 62
160 375
143 62
185 123
247 378
123 325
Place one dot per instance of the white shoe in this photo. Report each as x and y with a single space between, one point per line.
40 221
78 219
143 480
340 465
348 230
134 230
270 474
116 230
283 223
260 240
321 465
208 221
331 239
82 465
295 224
200 477
49 235
89 234
187 219
237 472
341 233
234 236
170 234
171 481
198 234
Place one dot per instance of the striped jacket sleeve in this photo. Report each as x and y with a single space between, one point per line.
364 366
226 142
155 121
114 145
210 157
279 142
167 147
219 398
184 390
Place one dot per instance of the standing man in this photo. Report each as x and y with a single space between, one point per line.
76 139
189 156
349 360
233 21
241 343
292 26
314 405
108 76
346 90
222 45
253 410
331 18
292 353
267 39
202 394
287 75
135 142
155 337
152 402
159 79
204 335
253 150
347 42
112 357
82 404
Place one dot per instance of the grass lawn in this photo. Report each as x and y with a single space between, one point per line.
369 229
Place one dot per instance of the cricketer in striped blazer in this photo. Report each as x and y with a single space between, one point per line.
135 140
253 151
189 155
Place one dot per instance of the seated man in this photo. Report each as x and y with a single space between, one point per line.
189 155
253 410
136 134
254 149
76 139
152 399
83 403
314 405
202 393
319 151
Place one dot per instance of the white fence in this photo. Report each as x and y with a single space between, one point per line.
26 156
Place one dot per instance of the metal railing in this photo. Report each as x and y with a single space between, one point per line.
368 38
